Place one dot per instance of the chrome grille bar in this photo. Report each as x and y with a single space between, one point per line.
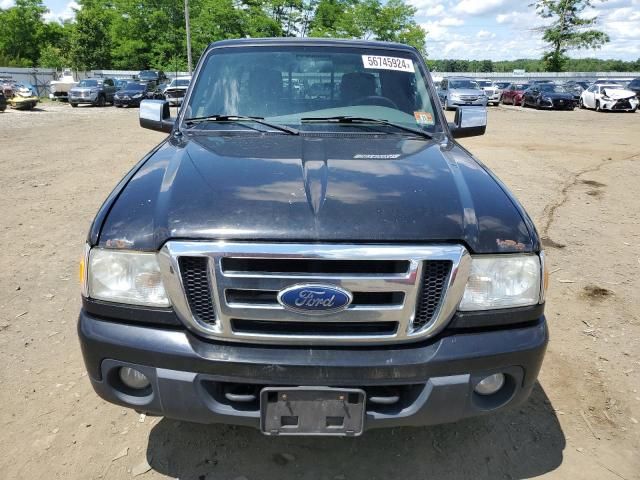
406 283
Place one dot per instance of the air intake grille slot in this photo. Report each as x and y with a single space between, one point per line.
312 266
434 279
313 329
197 286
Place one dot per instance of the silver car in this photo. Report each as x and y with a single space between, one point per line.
457 91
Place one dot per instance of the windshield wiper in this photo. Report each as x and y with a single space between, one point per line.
376 121
241 118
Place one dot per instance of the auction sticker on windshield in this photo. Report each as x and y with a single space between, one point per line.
387 63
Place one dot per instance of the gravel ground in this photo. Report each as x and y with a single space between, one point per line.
575 172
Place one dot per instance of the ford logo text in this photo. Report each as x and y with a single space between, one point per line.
314 299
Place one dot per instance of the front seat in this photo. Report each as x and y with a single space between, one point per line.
264 90
356 85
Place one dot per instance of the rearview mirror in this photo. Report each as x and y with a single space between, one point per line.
155 115
469 122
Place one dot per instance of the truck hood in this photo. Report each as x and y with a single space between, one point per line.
618 93
276 187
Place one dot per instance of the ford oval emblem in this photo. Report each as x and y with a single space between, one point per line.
314 299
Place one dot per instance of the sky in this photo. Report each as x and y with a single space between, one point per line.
488 29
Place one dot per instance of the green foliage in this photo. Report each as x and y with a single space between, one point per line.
533 65
53 57
569 30
21 31
90 40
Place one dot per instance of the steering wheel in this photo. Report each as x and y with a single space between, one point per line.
375 100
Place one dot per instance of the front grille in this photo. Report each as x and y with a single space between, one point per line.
622 105
229 291
434 279
197 286
468 98
313 329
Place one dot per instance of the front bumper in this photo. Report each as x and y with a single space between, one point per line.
558 104
131 102
83 99
437 378
627 104
462 103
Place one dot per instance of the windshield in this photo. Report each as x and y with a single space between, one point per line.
463 84
148 75
179 82
135 86
521 86
88 83
286 84
550 87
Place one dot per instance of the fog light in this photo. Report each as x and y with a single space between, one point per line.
490 385
133 378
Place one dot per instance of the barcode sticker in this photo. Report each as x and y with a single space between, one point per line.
388 63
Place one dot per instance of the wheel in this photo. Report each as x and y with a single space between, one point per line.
117 106
523 104
446 104
581 103
101 102
74 105
598 109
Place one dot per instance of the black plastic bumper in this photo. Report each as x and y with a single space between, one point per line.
184 369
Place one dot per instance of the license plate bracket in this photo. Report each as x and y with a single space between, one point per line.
312 411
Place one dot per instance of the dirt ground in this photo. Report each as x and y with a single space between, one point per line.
577 173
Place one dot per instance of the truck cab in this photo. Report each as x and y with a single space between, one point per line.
312 264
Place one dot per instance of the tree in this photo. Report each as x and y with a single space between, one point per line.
569 30
90 40
21 32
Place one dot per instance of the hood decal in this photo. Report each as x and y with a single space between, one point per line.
314 172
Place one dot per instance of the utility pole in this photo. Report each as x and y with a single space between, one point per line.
186 21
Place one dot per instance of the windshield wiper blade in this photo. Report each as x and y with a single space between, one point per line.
241 118
375 121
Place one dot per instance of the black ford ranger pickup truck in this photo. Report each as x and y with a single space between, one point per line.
311 252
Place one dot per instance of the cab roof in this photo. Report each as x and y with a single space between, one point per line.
257 42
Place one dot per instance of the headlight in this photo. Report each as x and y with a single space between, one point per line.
137 95
546 99
125 277
502 281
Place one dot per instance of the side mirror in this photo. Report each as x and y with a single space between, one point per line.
155 115
469 122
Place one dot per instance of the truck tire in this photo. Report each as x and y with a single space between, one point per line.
74 105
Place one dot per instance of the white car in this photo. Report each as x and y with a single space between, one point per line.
176 90
609 96
492 91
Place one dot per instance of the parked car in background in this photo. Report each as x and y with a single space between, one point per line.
512 95
606 81
634 86
576 87
176 90
457 91
611 96
3 102
502 85
133 93
491 90
547 95
154 77
93 91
